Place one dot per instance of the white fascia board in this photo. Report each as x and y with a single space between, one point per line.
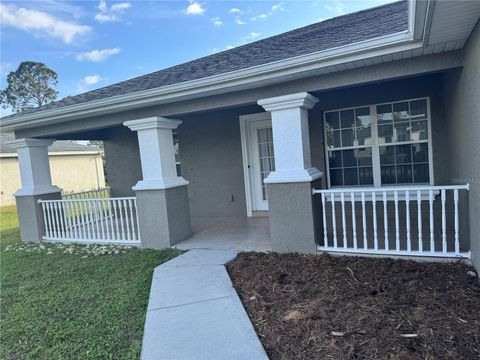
58 153
232 81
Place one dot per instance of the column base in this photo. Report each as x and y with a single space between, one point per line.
293 176
163 216
37 190
293 217
30 215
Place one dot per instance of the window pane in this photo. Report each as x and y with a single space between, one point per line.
366 175
364 156
418 109
385 134
349 158
419 130
420 152
347 118
402 131
400 111
333 139
363 117
364 136
388 175
336 177
335 159
421 173
347 137
351 176
332 120
387 155
403 154
404 174
384 113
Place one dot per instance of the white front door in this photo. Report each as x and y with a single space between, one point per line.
258 157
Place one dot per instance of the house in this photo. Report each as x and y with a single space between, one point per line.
357 134
75 168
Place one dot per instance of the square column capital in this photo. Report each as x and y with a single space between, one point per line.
29 142
154 122
301 100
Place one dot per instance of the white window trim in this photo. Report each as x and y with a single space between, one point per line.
375 145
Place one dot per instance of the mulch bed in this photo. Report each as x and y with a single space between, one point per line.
324 307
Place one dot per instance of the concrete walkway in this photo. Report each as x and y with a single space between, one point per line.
195 313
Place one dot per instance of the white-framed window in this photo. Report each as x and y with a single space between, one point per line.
379 145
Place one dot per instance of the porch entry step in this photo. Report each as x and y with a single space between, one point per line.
195 313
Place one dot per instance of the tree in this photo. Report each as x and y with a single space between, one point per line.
31 85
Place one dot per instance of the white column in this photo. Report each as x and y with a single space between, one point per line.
157 153
34 166
291 138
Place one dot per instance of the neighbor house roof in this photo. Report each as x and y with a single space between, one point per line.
340 31
56 147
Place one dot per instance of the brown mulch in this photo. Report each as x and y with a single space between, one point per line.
324 307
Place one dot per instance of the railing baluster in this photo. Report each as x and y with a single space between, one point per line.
117 233
105 211
457 240
374 214
385 221
344 221
354 220
364 222
85 219
121 218
56 231
397 222
73 206
134 236
111 217
66 217
101 215
407 215
419 220
47 231
444 222
126 219
136 216
432 233
334 222
324 218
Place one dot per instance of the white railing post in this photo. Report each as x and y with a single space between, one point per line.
324 215
407 216
354 220
455 201
334 222
444 222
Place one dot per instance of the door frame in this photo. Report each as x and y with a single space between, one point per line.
245 121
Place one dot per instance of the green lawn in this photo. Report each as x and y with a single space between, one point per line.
57 305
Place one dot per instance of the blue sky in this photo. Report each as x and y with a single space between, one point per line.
91 44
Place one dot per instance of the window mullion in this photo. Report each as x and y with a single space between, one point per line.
377 176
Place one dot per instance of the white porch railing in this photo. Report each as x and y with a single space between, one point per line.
413 220
100 220
89 194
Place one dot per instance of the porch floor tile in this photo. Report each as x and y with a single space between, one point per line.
229 233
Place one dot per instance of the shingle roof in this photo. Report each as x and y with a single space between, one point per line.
57 146
342 30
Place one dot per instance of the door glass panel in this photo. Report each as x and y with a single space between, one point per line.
266 156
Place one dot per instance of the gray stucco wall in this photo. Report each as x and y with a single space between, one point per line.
462 89
211 160
122 158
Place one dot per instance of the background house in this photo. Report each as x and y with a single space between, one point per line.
74 167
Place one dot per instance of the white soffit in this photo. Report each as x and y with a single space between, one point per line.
452 22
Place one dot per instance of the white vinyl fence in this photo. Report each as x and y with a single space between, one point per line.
94 220
413 220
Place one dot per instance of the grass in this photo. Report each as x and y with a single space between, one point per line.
68 306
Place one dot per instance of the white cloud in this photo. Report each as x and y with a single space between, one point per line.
216 21
240 21
275 8
250 37
92 79
235 11
97 55
228 47
112 13
41 23
194 9
88 81
338 7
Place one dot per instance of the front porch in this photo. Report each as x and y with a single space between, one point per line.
193 181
